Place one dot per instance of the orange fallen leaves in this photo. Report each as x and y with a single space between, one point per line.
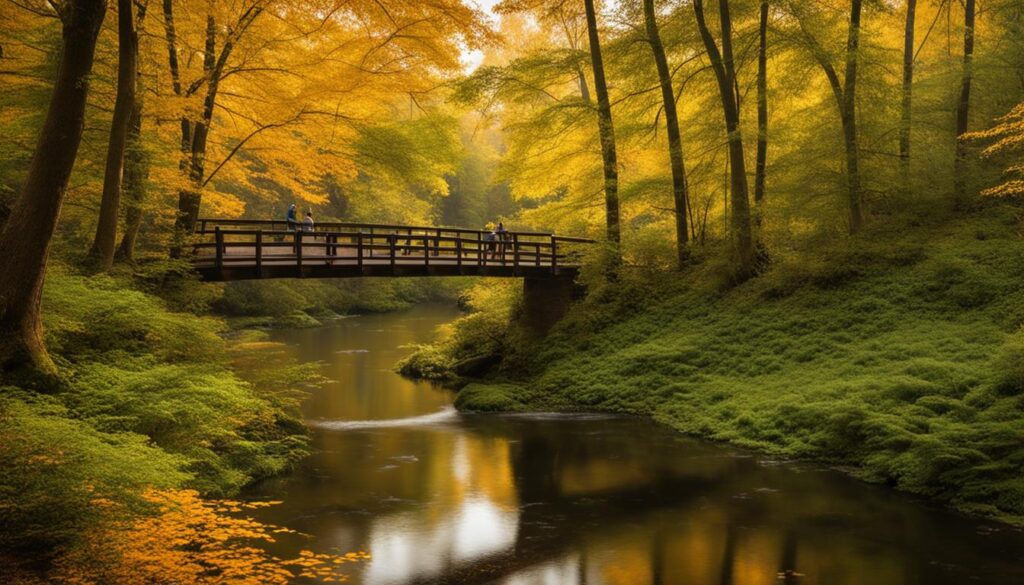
193 541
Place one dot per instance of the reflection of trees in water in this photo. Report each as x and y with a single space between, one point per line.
819 521
605 500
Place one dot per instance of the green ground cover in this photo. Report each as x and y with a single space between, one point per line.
898 355
156 393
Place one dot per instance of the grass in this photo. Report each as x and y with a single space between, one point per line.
900 357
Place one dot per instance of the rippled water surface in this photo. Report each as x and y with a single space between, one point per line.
439 497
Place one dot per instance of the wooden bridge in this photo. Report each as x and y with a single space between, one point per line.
243 249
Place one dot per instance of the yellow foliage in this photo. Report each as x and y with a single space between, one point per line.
192 541
1006 138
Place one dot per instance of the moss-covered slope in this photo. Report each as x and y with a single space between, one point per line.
899 354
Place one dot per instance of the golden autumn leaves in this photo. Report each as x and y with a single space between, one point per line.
190 540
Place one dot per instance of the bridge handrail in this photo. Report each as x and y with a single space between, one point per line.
416 237
401 247
319 227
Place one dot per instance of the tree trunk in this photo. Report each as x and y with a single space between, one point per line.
849 118
190 198
760 169
908 81
136 165
963 109
102 252
675 143
186 124
26 236
136 173
722 64
172 61
584 90
607 131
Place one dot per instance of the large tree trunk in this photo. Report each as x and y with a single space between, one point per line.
136 173
739 201
675 143
26 236
849 119
136 164
908 83
963 109
102 252
760 170
607 131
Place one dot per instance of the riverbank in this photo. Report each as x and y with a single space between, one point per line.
156 402
898 356
173 396
299 303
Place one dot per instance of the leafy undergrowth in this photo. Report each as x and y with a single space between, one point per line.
900 356
186 540
153 398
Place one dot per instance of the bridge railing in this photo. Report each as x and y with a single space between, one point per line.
223 245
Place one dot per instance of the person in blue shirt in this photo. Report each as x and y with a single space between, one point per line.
291 219
491 251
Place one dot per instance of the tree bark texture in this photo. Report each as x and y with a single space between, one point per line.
739 200
607 132
906 110
677 162
136 174
26 236
102 252
761 165
849 118
194 161
136 164
963 108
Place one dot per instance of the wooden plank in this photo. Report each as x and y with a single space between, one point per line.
259 254
359 249
219 239
554 255
515 250
392 242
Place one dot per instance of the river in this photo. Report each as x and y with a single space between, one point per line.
439 497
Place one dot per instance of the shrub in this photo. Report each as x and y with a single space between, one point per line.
55 472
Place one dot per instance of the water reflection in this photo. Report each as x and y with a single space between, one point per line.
438 497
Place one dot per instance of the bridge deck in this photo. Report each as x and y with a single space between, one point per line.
244 250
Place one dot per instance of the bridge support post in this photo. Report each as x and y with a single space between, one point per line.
546 300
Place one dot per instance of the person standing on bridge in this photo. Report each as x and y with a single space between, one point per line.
291 219
502 239
491 249
307 223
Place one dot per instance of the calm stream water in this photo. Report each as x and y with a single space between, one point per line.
438 497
